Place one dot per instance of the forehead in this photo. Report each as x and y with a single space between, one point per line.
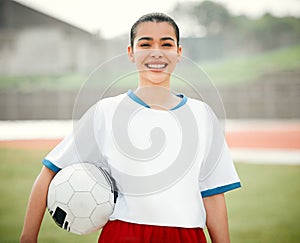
155 30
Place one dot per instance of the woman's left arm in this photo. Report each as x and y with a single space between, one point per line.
216 218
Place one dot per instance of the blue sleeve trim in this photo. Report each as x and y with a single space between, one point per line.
220 189
51 166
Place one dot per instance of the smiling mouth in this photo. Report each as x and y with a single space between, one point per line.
156 66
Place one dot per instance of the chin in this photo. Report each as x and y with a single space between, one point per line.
159 78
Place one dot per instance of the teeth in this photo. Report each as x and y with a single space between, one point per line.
156 66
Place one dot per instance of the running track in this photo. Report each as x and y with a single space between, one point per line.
250 141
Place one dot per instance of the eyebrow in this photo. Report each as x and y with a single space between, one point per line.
167 38
150 39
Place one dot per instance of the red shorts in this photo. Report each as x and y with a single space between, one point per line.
117 231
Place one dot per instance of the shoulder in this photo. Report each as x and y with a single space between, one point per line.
204 114
199 106
110 102
195 102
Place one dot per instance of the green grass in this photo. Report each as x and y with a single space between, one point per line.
54 82
231 70
243 69
266 209
18 170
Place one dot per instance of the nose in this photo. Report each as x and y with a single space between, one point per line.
156 53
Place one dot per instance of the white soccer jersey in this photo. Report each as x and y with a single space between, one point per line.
163 162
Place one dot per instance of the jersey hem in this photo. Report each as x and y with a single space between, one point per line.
187 226
221 189
51 166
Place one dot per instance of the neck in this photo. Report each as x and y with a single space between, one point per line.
162 81
146 84
157 97
154 91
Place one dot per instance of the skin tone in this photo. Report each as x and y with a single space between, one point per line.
155 53
216 218
36 206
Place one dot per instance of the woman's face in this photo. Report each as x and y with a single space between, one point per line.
155 52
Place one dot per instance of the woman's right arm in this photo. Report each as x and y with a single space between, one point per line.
36 206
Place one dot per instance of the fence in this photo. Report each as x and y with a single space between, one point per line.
275 96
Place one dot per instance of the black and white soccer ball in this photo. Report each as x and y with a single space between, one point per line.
81 197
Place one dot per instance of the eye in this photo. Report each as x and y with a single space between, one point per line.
144 45
167 44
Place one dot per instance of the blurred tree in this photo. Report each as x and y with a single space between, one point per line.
214 17
262 34
236 34
273 32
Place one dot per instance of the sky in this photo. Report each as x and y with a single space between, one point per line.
111 18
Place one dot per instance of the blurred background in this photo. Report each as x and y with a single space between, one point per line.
45 56
249 49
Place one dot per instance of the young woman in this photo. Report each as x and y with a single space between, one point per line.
171 173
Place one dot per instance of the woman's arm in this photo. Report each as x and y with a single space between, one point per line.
36 206
216 218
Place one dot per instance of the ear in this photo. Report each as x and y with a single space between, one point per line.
130 53
179 53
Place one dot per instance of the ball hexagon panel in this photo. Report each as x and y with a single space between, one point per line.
81 225
63 176
82 204
101 214
81 181
64 192
101 194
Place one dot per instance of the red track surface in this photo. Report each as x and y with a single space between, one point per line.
270 139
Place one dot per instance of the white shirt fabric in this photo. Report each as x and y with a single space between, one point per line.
163 162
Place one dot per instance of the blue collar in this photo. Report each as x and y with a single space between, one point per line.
135 98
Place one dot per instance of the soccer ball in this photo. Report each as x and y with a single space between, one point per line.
81 197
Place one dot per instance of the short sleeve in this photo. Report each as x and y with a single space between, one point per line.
80 145
217 173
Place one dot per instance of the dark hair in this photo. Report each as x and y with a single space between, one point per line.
157 18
